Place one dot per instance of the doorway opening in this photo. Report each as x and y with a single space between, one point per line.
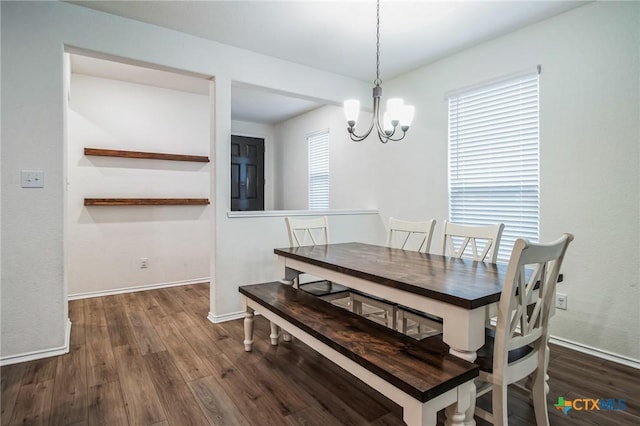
117 105
247 173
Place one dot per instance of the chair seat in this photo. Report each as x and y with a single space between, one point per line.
485 353
420 313
383 311
323 288
367 296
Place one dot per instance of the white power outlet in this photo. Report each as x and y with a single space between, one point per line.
561 301
32 179
144 263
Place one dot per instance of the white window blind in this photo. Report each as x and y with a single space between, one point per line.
318 170
494 158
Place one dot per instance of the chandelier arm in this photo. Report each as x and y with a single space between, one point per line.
384 137
390 138
359 138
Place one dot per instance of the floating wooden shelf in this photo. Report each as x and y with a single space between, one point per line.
146 201
148 155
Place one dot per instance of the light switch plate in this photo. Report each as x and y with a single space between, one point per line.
32 178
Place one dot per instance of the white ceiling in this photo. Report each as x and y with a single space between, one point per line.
339 36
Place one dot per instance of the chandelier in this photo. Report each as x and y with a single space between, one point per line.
398 115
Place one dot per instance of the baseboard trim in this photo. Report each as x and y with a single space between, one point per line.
44 353
122 290
217 319
599 353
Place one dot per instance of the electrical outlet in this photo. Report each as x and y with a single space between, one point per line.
144 263
32 179
561 301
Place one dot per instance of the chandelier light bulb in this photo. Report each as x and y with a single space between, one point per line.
387 123
394 109
406 116
351 111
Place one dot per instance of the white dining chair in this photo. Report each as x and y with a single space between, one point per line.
416 236
483 241
519 348
311 232
314 232
407 235
479 243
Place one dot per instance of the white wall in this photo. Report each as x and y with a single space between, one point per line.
34 35
350 165
589 148
105 244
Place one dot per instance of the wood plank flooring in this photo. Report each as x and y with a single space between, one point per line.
153 358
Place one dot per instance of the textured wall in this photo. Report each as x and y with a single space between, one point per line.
589 156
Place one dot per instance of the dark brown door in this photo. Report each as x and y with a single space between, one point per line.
247 173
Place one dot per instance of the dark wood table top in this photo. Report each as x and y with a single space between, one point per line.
460 282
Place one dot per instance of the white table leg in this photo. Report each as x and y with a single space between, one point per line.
248 329
274 334
463 331
291 277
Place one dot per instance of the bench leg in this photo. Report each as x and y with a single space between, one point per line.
458 414
275 331
422 416
248 329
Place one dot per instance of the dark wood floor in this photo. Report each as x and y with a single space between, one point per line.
152 358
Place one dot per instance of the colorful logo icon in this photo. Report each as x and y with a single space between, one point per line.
590 404
563 405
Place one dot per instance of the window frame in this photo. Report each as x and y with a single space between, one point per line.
318 179
494 157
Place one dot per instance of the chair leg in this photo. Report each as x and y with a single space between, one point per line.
356 305
402 322
539 395
546 367
499 405
391 317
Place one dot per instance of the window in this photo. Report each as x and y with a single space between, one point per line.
318 170
494 159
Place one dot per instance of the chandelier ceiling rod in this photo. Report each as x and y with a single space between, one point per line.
398 114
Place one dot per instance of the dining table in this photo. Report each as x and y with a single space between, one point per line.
458 290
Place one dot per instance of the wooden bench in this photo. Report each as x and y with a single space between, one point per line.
422 378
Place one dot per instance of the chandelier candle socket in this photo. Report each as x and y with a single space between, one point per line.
398 115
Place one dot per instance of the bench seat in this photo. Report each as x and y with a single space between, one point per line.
418 375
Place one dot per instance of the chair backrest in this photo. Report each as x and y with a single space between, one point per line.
457 237
410 235
525 303
307 232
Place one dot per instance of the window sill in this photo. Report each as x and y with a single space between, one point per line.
285 213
